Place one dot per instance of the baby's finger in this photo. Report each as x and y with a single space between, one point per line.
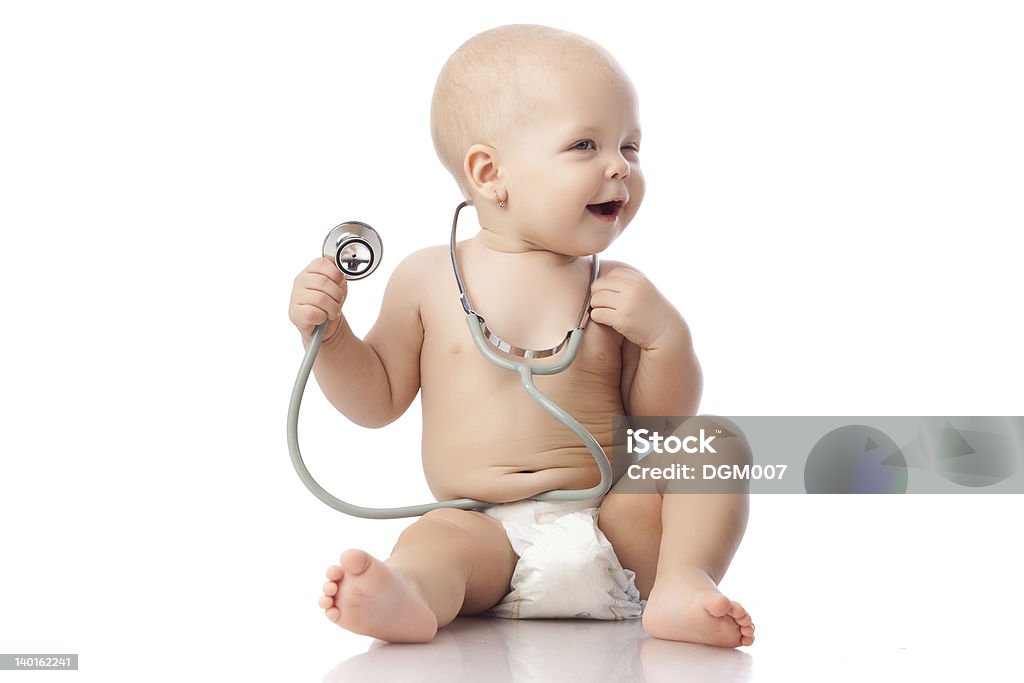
605 316
308 314
325 303
603 299
606 284
318 282
326 266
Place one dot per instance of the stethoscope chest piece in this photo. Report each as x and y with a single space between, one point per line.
355 248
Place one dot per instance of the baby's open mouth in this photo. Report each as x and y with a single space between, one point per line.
610 209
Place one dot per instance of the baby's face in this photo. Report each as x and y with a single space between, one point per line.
579 148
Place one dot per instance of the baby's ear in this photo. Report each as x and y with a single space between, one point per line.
481 169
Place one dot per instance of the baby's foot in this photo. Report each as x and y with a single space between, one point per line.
365 596
689 607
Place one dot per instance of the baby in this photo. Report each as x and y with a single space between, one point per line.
539 127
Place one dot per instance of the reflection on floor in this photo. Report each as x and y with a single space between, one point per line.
493 649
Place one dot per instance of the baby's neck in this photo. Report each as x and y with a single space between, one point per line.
520 251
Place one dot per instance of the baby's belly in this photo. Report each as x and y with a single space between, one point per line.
485 438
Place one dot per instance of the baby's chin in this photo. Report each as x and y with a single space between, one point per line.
591 244
577 241
576 252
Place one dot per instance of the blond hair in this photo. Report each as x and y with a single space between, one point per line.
486 88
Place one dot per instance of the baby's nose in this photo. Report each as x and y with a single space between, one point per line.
618 167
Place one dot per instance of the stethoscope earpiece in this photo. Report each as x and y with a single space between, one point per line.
355 248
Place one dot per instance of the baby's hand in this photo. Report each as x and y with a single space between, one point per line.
317 295
627 301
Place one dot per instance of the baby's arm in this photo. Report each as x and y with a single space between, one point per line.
662 381
373 381
660 371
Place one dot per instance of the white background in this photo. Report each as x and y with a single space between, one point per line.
834 204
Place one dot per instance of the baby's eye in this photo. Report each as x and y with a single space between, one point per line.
583 142
633 148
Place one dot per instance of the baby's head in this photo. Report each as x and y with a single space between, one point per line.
547 122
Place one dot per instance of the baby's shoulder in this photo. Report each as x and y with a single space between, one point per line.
426 258
420 275
421 266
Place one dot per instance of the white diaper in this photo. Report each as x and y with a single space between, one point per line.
566 567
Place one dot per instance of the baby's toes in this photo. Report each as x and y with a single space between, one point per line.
329 601
747 632
737 612
334 572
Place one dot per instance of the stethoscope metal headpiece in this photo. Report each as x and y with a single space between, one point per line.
355 248
496 341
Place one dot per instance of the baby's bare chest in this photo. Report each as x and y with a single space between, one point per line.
478 420
455 374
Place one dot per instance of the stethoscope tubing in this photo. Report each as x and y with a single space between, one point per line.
525 372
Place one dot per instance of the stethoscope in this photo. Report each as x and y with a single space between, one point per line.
356 249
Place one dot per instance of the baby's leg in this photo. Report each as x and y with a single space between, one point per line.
680 543
449 562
